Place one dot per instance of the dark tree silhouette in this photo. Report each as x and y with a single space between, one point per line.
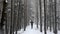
40 16
55 31
25 14
45 16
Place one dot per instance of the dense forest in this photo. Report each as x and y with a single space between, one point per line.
17 14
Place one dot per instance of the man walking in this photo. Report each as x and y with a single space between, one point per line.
31 24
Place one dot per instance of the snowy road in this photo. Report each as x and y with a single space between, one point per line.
34 30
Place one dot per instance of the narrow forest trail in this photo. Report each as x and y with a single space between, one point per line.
34 30
31 31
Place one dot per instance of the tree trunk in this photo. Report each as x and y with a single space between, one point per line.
25 14
12 12
55 18
37 12
40 16
50 9
45 16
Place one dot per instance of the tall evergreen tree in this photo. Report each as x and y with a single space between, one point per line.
55 17
3 18
45 16
40 16
50 9
12 16
17 13
37 12
25 14
12 12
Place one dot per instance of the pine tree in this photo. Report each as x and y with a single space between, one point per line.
12 15
40 16
25 14
37 12
50 9
3 18
55 18
45 16
6 29
17 13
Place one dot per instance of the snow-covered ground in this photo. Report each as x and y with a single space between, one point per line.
34 30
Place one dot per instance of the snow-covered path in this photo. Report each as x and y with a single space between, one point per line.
34 30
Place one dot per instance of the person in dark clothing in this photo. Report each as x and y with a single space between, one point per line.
31 24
